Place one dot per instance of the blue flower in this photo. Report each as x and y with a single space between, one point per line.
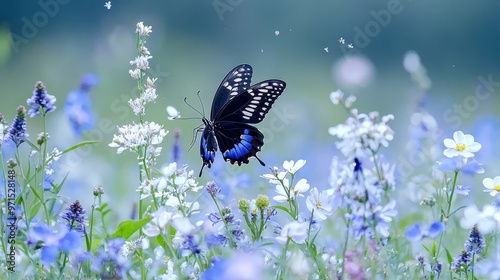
75 217
416 233
475 242
217 239
78 106
41 102
47 183
461 262
53 241
463 190
17 131
468 166
238 266
109 262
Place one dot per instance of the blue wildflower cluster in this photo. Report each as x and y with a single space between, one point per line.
41 102
17 131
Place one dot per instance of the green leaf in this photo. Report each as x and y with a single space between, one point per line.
127 228
448 256
79 145
34 209
33 146
282 208
433 249
161 241
427 249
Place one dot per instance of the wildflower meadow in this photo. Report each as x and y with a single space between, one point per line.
431 210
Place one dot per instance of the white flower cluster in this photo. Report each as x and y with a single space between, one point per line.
173 182
362 134
135 136
138 105
141 63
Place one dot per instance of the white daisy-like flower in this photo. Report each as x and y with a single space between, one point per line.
492 185
292 167
161 218
336 97
294 231
320 203
107 5
461 145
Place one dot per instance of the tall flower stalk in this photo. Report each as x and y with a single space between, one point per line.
144 137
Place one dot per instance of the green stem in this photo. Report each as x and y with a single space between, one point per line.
232 244
450 198
3 225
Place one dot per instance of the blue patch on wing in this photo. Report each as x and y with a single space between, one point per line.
242 148
208 155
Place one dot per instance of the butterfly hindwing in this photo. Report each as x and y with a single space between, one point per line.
236 81
238 142
252 105
208 147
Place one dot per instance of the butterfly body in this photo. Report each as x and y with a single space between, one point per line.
236 105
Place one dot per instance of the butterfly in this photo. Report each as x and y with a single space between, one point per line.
236 105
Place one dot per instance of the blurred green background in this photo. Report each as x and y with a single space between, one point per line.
195 43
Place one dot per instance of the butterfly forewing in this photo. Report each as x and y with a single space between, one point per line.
236 81
252 105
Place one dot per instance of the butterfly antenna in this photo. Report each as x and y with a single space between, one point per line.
185 101
202 107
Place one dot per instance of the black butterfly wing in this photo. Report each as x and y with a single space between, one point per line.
238 142
252 105
236 81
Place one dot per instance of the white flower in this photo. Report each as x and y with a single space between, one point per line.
300 187
486 220
349 101
336 97
173 113
161 218
320 203
492 185
293 167
293 231
136 73
183 226
143 30
137 106
282 191
299 264
141 62
461 145
133 136
362 134
107 5
149 95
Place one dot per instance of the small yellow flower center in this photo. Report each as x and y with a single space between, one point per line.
318 204
497 188
460 147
